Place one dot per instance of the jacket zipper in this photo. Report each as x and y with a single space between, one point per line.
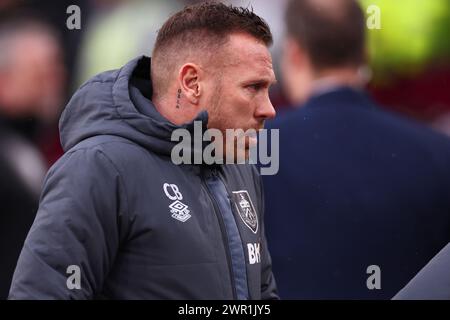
223 231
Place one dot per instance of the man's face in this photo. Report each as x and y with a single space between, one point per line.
35 81
238 96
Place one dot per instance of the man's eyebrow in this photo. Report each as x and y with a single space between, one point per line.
264 81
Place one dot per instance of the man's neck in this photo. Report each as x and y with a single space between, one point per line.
330 79
176 112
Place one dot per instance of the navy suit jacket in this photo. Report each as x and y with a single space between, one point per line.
357 186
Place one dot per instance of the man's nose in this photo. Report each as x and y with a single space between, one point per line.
266 110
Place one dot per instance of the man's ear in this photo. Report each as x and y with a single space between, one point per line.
295 54
189 82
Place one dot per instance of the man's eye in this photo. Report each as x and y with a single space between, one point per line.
255 86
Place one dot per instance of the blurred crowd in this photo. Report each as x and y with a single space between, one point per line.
42 62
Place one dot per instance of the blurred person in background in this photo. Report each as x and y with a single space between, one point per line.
31 83
357 186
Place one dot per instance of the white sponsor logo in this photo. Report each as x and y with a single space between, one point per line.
177 208
254 255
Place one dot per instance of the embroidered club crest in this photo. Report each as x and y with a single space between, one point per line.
246 209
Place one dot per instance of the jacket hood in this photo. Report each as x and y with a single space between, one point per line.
118 103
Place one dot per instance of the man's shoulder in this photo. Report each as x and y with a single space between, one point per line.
374 128
119 152
108 144
365 117
406 130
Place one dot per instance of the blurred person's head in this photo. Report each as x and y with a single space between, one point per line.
214 57
325 40
32 75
